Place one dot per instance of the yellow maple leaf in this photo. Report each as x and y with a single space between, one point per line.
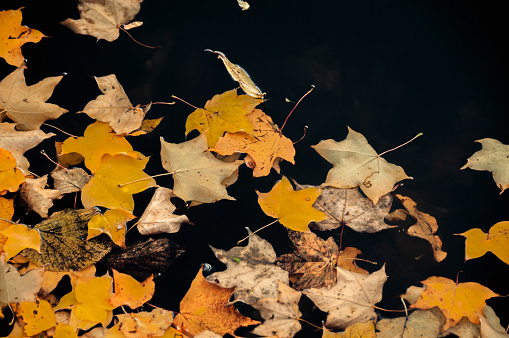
98 139
10 176
13 35
112 223
455 300
6 212
293 209
497 241
20 237
106 187
223 113
38 316
65 331
130 292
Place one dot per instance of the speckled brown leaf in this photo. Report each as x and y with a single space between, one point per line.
69 180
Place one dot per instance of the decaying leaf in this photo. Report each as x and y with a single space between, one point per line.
425 227
497 241
281 313
251 270
26 105
10 176
69 180
130 292
37 197
197 174
64 246
15 288
492 157
13 35
102 18
351 300
419 324
238 74
356 163
204 307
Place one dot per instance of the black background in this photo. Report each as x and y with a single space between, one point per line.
387 69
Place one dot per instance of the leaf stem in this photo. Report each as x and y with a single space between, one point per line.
178 98
305 321
401 145
305 130
263 227
49 158
139 43
60 130
141 179
309 91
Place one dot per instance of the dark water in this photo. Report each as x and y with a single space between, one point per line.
387 69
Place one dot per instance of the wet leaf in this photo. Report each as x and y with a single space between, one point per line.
128 291
37 197
479 243
10 176
38 316
112 223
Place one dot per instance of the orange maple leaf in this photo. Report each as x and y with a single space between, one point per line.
264 145
204 308
455 300
497 241
130 292
293 209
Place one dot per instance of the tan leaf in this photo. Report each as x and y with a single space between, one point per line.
37 197
15 288
69 180
419 324
490 325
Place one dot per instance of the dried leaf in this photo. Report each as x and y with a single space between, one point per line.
37 197
69 180
15 288
358 330
143 324
497 241
419 324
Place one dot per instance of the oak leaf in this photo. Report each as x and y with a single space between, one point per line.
204 307
314 261
114 107
97 140
142 324
37 197
111 186
128 291
197 174
425 227
351 300
418 324
356 163
38 316
265 145
455 300
281 313
13 35
492 157
26 105
15 288
223 113
111 223
497 241
102 18
69 180
10 176
293 209
19 237
250 269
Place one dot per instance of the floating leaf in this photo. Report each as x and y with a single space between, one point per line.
15 288
10 176
418 324
497 241
358 330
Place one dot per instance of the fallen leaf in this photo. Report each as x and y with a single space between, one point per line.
314 261
38 316
425 227
15 288
250 269
204 307
223 113
98 140
243 4
13 35
114 107
6 212
419 324
108 187
26 105
128 291
293 209
455 300
20 237
492 157
111 223
238 73
147 125
497 241
65 331
69 180
37 197
197 174
358 330
351 300
265 145
102 19
143 324
281 313
356 163
64 246
158 216
490 325
52 278
10 176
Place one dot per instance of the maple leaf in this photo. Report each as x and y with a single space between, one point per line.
197 174
204 307
13 35
143 324
264 145
17 142
497 241
114 107
158 216
15 288
492 157
223 113
425 227
38 316
112 223
69 180
351 300
356 163
251 270
281 313
19 237
293 209
10 176
107 189
26 105
128 291
37 197
315 260
455 300
351 208
97 140
418 324
102 18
